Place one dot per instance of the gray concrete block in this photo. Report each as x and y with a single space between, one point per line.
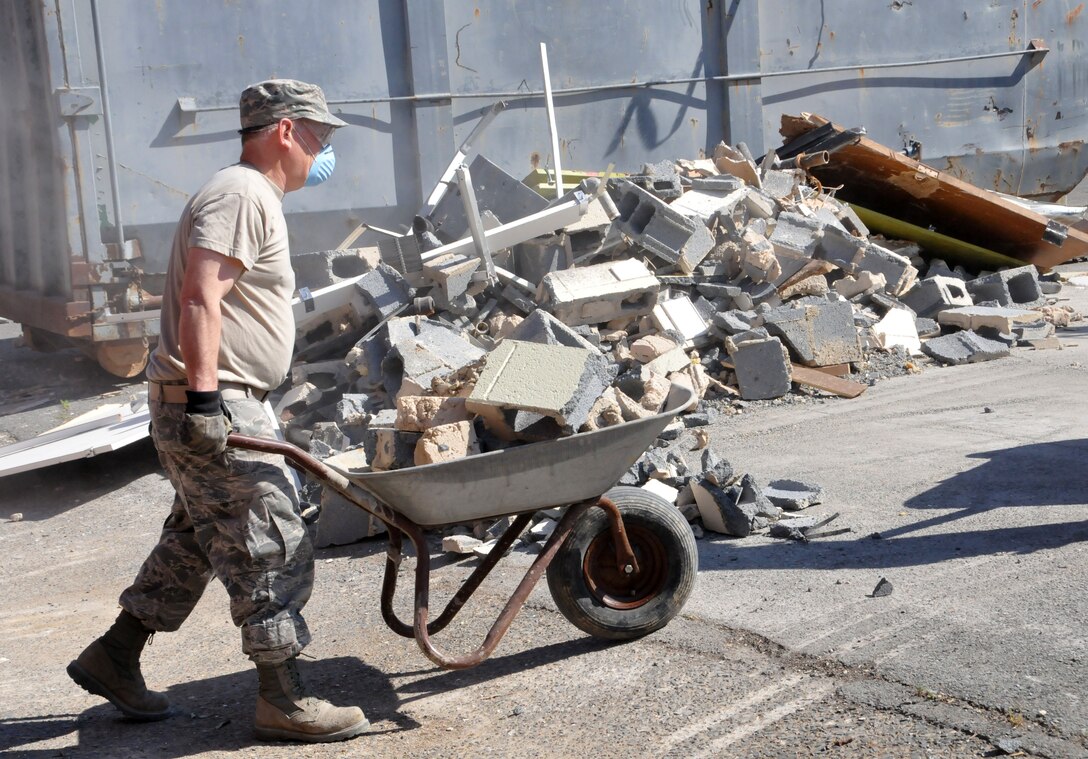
792 495
897 270
762 368
1017 287
964 347
385 290
734 322
420 352
551 380
541 327
665 233
534 259
352 409
661 179
341 522
934 294
600 293
817 335
715 468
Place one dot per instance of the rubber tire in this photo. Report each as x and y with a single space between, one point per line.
646 517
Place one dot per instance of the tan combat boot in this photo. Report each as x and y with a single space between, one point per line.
110 667
286 713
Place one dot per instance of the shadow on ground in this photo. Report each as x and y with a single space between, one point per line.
214 714
1038 475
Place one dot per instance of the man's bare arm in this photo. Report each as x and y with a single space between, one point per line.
209 276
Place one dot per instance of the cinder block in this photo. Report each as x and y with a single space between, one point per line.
446 442
385 290
555 381
667 234
541 327
452 275
762 368
817 335
736 321
418 413
1017 287
964 347
704 205
934 294
600 293
781 184
534 259
327 267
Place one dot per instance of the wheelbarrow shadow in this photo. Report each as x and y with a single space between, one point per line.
213 714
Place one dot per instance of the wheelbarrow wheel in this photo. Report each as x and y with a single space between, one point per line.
597 596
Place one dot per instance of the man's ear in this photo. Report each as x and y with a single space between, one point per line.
285 133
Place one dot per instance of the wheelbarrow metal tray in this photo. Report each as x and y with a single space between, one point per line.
520 479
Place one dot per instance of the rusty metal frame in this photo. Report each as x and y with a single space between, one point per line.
400 526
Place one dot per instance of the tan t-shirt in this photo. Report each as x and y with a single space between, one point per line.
238 213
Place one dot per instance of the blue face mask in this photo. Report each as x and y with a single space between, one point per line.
321 169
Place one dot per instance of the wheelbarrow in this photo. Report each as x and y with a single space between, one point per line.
620 563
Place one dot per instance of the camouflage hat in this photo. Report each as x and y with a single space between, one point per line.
274 99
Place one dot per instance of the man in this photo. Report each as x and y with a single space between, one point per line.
226 336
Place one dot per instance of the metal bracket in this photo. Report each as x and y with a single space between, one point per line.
1038 50
78 101
1055 233
307 299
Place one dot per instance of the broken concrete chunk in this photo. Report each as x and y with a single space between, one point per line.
446 442
897 270
649 347
898 329
452 275
762 368
297 401
630 408
542 327
606 412
865 283
659 488
418 413
964 347
999 318
421 351
680 315
817 335
792 495
715 468
814 285
669 362
388 448
385 290
655 391
553 380
932 295
600 293
739 509
541 531
461 544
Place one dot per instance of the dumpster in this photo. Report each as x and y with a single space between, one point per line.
117 111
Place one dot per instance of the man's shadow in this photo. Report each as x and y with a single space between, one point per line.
216 714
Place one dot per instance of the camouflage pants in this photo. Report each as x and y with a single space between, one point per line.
235 515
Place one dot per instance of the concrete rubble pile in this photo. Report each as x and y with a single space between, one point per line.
505 318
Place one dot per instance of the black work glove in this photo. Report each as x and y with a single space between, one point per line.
207 423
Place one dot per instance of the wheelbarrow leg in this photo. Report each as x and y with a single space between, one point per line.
625 556
394 555
509 611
